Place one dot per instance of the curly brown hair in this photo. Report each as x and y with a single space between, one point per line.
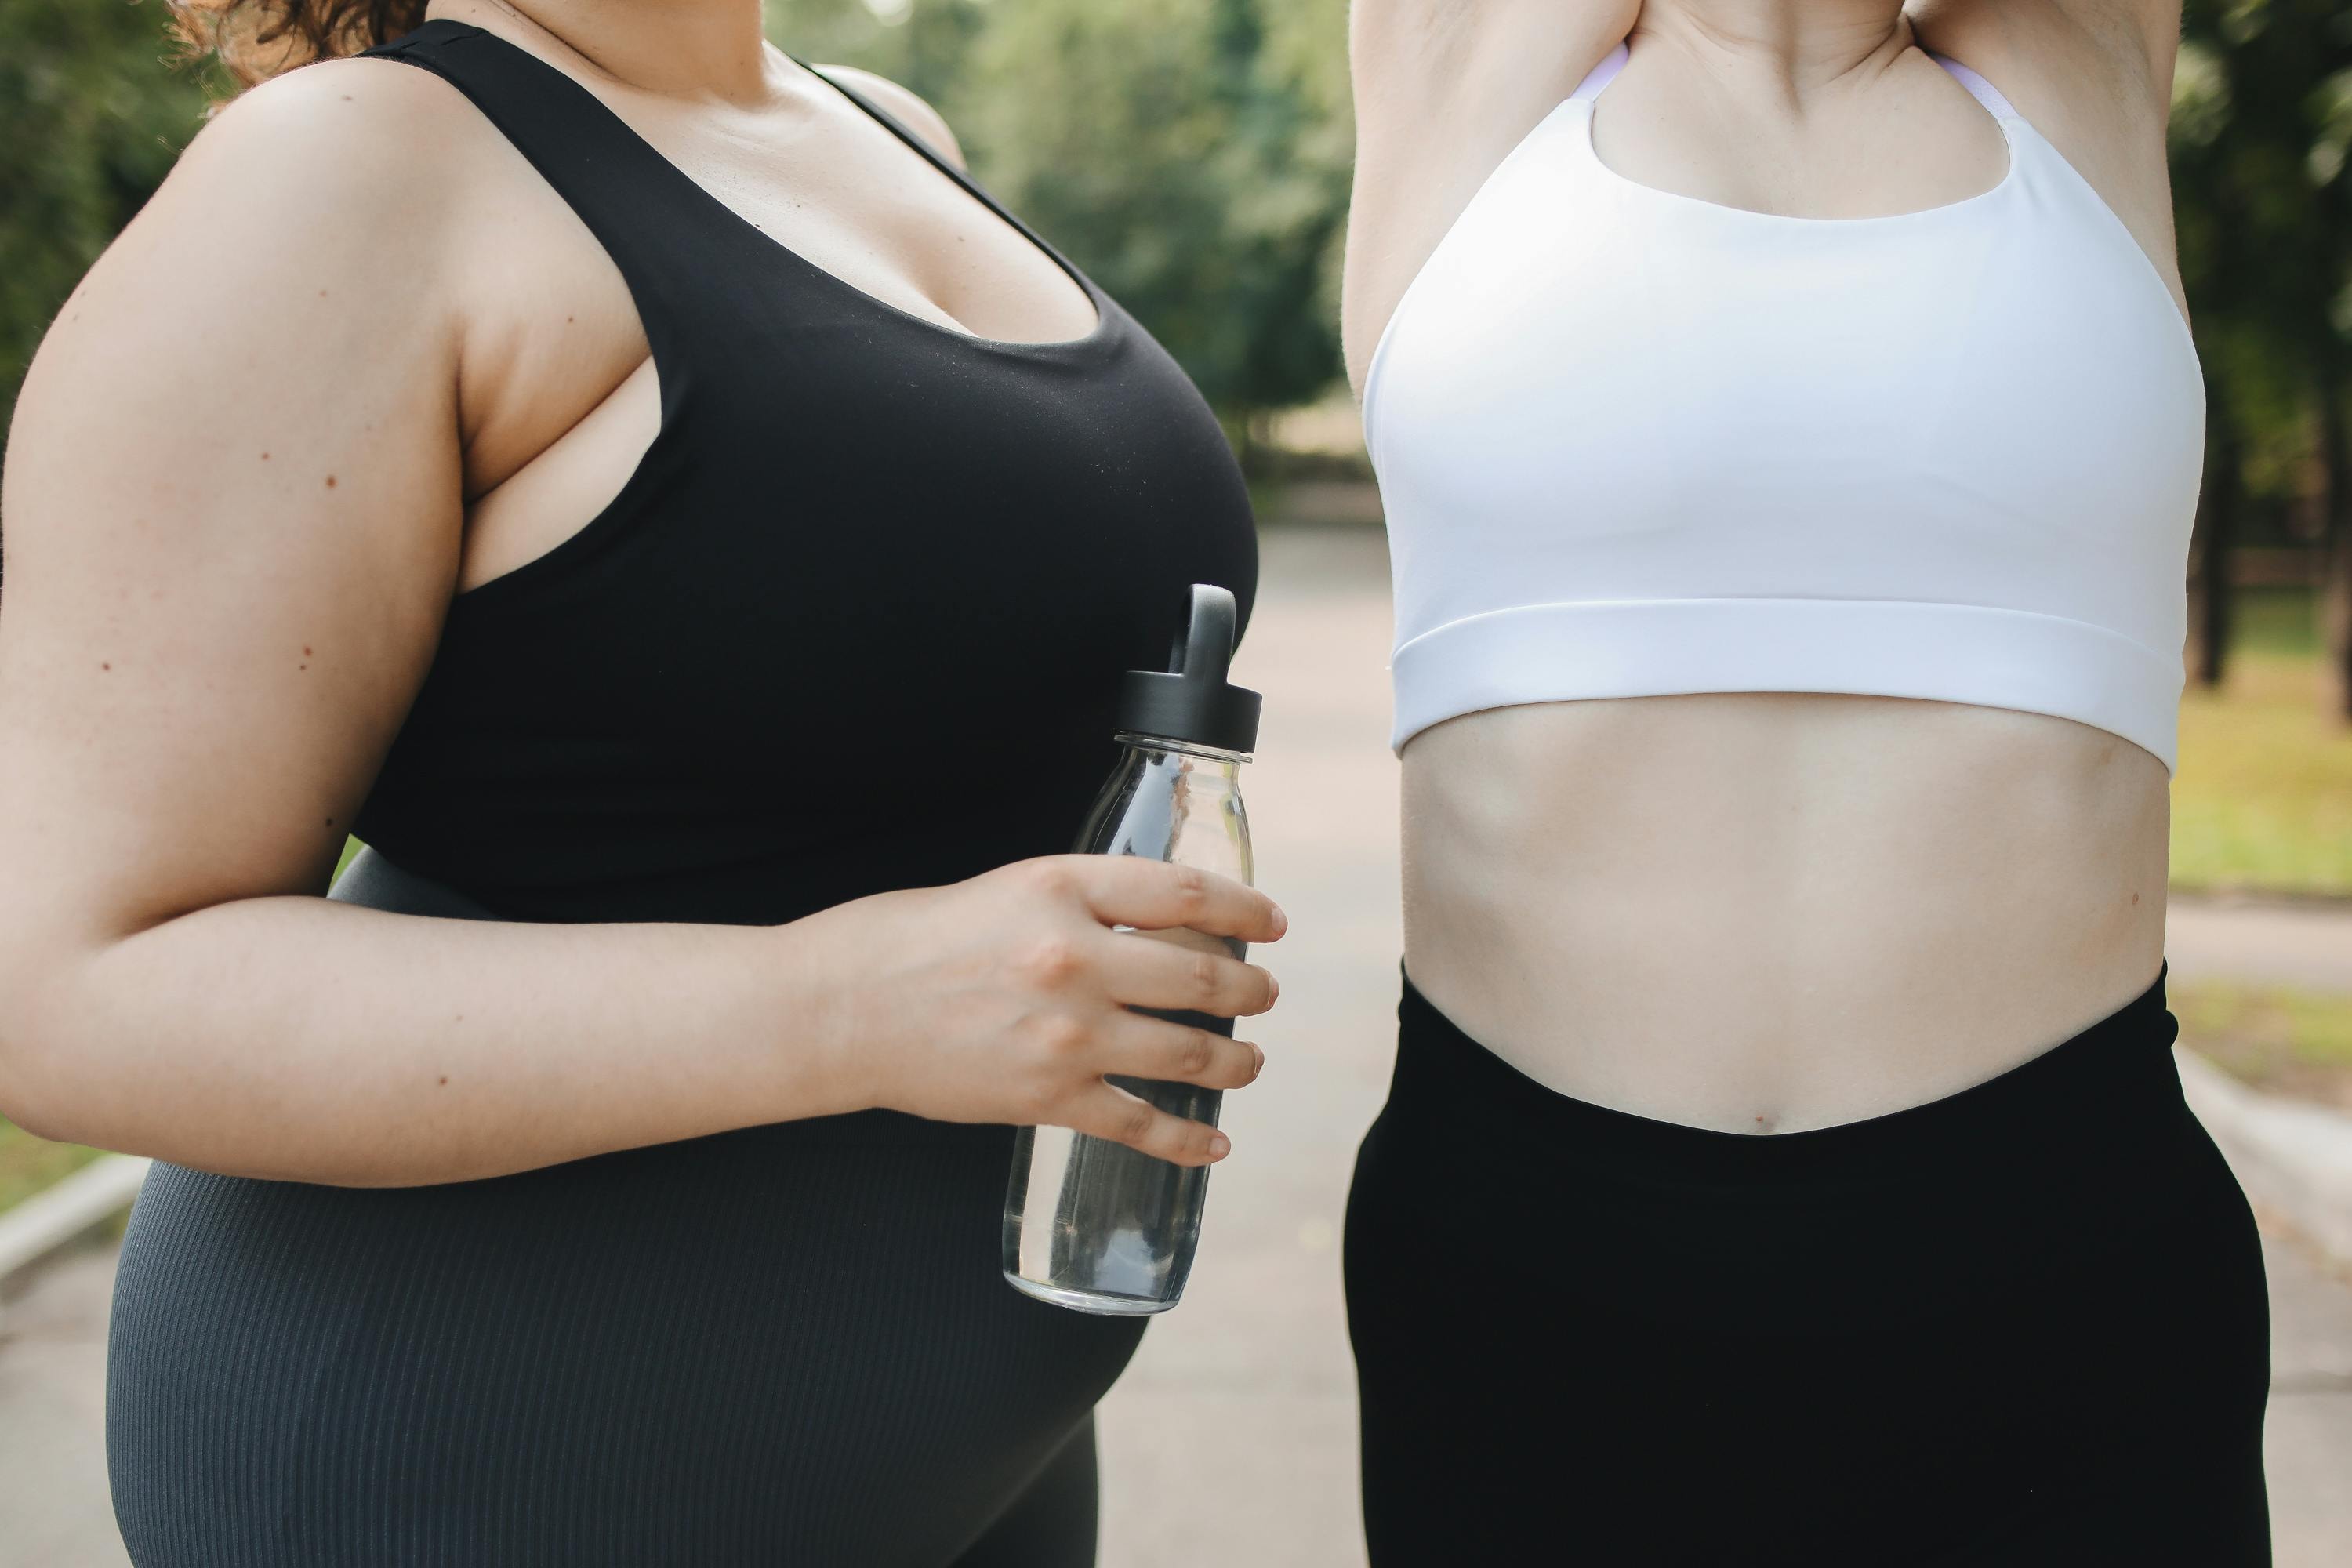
257 40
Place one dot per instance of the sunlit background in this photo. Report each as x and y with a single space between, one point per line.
1194 156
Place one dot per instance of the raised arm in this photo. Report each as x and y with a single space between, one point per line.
2136 38
233 520
2095 78
1443 90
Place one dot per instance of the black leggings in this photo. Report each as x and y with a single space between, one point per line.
2024 1326
791 1345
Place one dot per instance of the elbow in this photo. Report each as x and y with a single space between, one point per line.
33 1087
33 1117
23 1105
19 1104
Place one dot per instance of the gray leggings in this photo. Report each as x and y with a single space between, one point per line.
789 1345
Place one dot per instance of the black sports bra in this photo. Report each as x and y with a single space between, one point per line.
857 619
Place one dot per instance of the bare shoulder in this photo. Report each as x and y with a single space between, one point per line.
904 106
355 167
309 194
291 277
366 127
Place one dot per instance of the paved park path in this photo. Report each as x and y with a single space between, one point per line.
1230 1443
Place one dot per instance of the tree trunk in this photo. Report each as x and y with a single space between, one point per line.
2219 506
2336 555
2335 614
1246 432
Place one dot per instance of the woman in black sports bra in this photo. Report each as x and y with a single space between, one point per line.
679 522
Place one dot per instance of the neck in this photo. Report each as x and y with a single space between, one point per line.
1799 44
680 48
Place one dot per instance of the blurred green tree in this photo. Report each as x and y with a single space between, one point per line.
2261 129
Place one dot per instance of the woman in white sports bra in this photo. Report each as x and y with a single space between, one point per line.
1789 433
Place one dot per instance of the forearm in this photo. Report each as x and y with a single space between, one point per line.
300 1039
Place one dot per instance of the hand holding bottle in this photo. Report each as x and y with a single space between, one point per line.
1009 997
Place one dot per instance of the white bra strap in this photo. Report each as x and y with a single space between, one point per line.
1983 91
1599 76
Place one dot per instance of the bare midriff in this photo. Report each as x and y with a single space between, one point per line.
1763 913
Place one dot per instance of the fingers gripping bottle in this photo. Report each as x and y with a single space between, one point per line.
1091 1225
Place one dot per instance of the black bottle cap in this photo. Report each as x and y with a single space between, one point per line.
1192 703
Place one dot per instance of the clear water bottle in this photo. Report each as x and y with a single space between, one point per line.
1091 1225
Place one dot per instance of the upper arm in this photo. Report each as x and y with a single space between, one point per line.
906 108
232 519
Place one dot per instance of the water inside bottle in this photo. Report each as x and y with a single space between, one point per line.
1093 1224
1125 1226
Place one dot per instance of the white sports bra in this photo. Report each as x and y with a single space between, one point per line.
1632 443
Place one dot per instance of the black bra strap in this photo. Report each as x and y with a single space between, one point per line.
978 192
661 229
